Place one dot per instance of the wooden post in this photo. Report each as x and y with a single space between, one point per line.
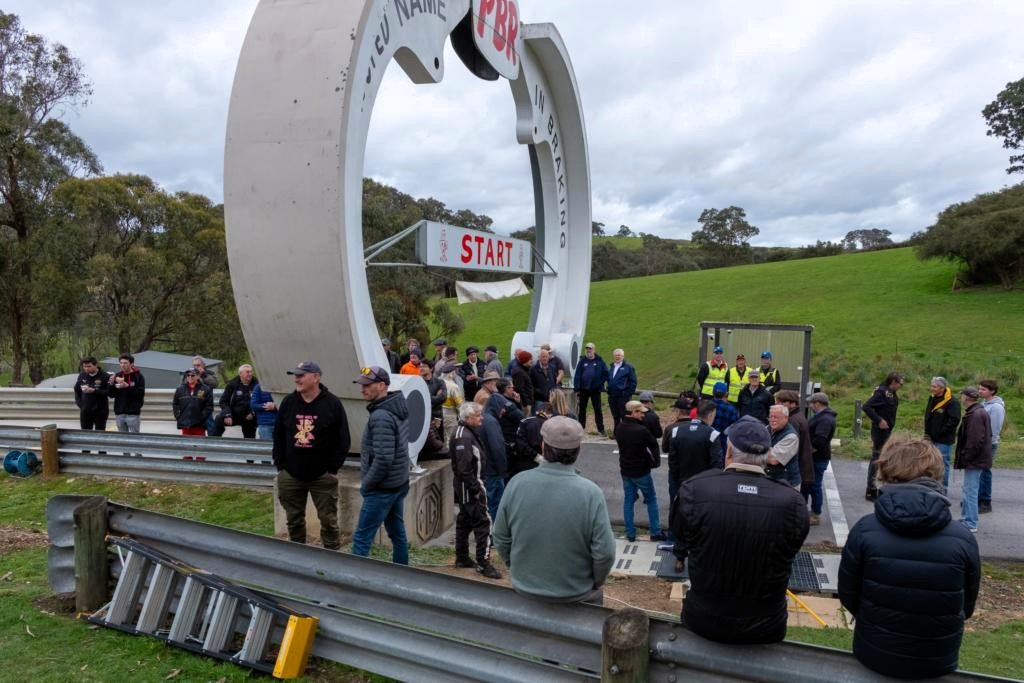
856 419
91 568
48 442
624 647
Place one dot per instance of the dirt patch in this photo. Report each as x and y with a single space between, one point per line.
1001 598
61 603
13 539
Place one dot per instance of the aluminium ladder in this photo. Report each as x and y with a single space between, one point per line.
159 596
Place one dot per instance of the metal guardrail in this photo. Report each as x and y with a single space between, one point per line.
237 462
59 404
412 624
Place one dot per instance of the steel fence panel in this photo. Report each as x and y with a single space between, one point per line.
185 471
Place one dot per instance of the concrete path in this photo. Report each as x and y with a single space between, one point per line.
1000 534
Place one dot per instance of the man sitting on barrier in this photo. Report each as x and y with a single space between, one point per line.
552 528
741 531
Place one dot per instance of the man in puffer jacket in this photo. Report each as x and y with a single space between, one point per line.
384 466
908 574
941 417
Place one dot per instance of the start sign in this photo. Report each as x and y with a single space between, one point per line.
447 246
496 33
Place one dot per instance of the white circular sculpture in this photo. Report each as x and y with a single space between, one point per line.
303 95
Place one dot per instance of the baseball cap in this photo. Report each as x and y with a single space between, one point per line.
720 388
819 397
562 432
190 371
385 341
304 367
372 374
754 373
766 354
739 356
749 435
971 392
491 347
590 345
719 349
635 405
646 395
440 341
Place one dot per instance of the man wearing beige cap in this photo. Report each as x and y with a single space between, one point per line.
638 455
552 512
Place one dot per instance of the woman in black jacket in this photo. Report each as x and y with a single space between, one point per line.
908 575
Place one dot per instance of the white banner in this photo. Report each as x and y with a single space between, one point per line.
469 292
447 246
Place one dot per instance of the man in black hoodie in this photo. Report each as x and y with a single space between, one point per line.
91 392
311 440
129 389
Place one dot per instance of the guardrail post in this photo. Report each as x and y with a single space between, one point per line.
91 567
48 442
856 419
624 647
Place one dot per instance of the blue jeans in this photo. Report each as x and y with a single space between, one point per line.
265 432
495 487
944 449
985 490
817 495
969 503
630 486
382 507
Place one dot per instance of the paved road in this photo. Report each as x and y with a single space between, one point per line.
1000 535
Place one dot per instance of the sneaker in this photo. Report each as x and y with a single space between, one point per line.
815 520
464 563
972 529
984 507
631 539
660 536
417 469
488 570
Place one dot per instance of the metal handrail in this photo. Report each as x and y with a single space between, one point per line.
418 625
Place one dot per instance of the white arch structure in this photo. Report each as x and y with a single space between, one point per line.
303 95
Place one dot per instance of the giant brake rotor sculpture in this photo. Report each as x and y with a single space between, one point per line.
303 95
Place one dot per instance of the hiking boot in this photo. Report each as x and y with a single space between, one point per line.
464 563
815 520
489 570
984 507
660 536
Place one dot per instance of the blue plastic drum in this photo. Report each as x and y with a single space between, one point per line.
28 463
11 462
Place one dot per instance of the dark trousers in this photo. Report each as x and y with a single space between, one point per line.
590 396
96 421
292 492
617 404
878 439
248 426
473 517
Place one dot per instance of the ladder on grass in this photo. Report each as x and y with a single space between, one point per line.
159 596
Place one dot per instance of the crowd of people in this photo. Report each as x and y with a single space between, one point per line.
745 471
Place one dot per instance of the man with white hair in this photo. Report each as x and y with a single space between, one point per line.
740 531
236 404
555 494
621 385
941 418
469 454
783 463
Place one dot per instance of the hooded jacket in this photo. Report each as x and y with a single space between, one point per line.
128 401
496 463
823 428
384 457
974 440
996 410
941 417
310 439
910 578
638 449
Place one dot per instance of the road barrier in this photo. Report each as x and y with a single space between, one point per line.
59 404
238 462
411 624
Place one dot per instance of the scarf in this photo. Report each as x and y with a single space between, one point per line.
946 398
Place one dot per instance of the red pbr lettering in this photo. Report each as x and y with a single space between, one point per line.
500 17
486 7
513 31
467 249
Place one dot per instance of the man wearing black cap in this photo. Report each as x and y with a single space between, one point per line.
491 361
740 531
472 372
440 344
384 466
311 440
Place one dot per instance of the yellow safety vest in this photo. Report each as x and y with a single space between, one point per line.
736 382
715 375
769 377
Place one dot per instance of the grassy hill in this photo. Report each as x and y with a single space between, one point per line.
872 312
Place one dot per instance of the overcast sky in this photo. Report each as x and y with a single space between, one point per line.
816 117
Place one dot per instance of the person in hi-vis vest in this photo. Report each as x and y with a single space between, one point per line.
737 378
712 372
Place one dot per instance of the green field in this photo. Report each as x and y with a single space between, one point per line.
872 312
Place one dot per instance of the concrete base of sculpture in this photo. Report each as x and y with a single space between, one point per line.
429 507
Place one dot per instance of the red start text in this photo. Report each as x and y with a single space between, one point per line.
486 251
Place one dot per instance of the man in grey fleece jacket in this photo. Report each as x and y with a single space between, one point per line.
551 511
